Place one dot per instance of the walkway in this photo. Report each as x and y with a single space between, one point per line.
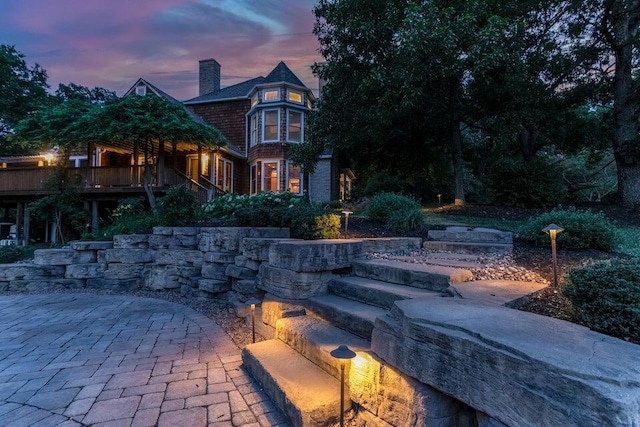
82 359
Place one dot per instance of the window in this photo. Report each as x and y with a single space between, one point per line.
271 125
265 176
271 95
141 90
224 174
294 97
294 179
294 126
254 99
254 130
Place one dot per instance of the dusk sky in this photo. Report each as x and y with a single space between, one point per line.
110 43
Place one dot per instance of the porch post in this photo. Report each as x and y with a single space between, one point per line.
87 180
199 163
135 181
26 225
19 223
94 216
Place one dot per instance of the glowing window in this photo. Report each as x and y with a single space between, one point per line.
271 95
295 97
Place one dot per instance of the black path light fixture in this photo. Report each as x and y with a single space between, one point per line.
342 353
252 303
552 230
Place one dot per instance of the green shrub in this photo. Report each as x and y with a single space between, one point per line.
407 221
582 230
177 207
382 206
606 295
130 217
527 184
9 254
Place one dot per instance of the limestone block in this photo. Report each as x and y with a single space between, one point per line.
244 287
131 241
91 246
186 271
176 231
124 271
315 255
275 308
85 271
170 242
63 257
179 257
227 239
240 272
214 286
191 292
220 257
49 284
258 249
162 277
115 284
516 367
9 272
292 285
129 256
243 261
101 256
391 244
213 271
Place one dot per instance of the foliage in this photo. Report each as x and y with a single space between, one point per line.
582 230
177 207
528 184
23 90
9 254
607 296
65 209
305 220
406 221
384 205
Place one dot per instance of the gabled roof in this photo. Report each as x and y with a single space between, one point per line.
282 73
240 90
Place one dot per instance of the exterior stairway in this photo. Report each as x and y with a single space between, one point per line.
295 368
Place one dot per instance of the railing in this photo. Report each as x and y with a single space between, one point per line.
202 194
214 190
32 179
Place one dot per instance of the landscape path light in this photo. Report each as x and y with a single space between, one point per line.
252 303
439 199
342 353
346 221
552 230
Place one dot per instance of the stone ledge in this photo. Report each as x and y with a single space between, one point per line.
315 255
545 369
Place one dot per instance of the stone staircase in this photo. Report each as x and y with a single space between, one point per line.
295 368
470 240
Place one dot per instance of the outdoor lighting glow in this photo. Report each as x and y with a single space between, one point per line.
48 157
552 230
439 198
252 302
342 353
346 221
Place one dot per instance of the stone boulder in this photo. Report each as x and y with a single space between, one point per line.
227 239
179 257
63 257
91 245
85 271
131 241
129 256
315 255
258 249
289 284
10 272
518 368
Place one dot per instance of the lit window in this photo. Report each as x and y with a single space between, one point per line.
254 130
295 97
265 176
271 95
254 99
294 179
271 125
224 174
294 126
254 178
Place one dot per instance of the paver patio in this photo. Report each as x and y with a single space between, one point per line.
106 360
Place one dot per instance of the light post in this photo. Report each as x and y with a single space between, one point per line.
346 221
552 230
252 302
342 353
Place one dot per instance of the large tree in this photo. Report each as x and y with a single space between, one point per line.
23 89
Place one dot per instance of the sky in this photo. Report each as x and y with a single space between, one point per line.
111 43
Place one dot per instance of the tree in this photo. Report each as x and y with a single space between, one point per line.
23 89
619 23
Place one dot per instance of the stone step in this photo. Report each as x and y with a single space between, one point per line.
306 395
353 316
469 235
315 339
423 276
375 292
469 248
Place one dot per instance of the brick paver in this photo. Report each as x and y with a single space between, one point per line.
78 359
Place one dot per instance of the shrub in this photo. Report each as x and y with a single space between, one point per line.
177 207
582 230
535 183
9 254
407 221
382 206
606 295
130 217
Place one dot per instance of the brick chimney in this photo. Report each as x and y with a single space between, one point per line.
209 76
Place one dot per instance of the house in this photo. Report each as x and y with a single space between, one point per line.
261 118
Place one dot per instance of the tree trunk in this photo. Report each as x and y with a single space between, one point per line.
623 24
458 164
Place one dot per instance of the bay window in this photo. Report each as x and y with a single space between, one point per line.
294 126
271 125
